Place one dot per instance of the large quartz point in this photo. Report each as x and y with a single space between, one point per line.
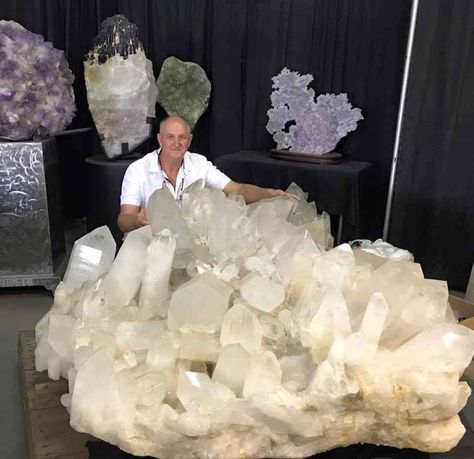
162 353
121 90
198 393
231 367
262 293
446 349
199 304
362 345
138 335
91 256
155 285
241 326
183 89
263 376
164 213
198 346
125 275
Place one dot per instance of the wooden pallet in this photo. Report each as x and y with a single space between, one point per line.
49 434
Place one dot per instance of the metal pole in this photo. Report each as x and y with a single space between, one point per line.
401 109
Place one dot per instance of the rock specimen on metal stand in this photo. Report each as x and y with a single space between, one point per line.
121 89
298 124
36 95
259 342
183 89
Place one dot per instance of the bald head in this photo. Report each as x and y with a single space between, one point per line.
174 119
174 138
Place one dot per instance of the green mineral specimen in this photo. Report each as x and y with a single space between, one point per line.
183 89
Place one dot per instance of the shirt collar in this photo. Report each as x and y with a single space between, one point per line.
155 164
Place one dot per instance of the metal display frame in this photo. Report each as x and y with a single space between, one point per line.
32 243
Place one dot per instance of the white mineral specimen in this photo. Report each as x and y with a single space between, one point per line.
198 346
262 293
91 256
241 326
121 90
125 276
263 376
163 212
249 339
154 290
162 353
199 304
231 368
198 393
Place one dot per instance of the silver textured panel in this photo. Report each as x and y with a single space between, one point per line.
25 244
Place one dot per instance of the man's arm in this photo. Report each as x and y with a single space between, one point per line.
131 217
251 193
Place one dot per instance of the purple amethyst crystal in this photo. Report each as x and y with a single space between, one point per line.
36 95
299 124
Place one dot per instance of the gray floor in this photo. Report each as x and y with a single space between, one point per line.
20 309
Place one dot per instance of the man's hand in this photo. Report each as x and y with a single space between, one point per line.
142 218
272 193
131 217
253 193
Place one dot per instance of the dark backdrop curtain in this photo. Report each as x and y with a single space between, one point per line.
352 46
433 207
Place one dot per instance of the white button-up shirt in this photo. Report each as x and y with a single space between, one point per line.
145 175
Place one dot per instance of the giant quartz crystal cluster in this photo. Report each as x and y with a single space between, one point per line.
226 331
36 95
299 124
121 89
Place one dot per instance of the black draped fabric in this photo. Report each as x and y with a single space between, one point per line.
433 207
352 46
338 189
356 47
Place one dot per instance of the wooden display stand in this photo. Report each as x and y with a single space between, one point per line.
49 434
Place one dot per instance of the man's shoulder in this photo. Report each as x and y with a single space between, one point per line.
142 163
196 156
196 160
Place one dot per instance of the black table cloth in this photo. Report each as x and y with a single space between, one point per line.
104 186
337 189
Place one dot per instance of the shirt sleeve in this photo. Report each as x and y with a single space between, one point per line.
131 188
215 178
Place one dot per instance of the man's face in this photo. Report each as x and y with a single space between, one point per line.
174 139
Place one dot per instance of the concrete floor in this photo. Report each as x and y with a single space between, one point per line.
20 309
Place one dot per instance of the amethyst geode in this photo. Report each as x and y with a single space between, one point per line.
36 95
299 124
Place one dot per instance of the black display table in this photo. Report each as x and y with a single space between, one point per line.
104 186
337 188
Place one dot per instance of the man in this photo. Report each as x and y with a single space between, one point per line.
176 168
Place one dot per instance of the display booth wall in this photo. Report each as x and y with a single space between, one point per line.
355 47
433 207
352 46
